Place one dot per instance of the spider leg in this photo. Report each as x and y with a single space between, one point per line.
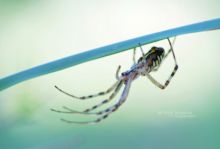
134 53
59 111
109 110
87 111
166 83
155 82
142 51
90 96
175 68
117 72
171 48
171 76
71 111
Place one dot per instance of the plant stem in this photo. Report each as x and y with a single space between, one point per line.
72 60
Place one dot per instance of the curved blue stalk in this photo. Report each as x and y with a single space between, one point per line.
72 60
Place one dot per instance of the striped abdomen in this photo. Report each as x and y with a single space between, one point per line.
153 58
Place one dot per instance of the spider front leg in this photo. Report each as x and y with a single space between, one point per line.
171 47
155 82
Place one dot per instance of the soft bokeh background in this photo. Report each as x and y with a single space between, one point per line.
185 115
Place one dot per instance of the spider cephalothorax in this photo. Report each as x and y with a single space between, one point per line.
149 62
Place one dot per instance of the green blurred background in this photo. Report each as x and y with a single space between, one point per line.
185 115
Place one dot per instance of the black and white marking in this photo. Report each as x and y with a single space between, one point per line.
149 62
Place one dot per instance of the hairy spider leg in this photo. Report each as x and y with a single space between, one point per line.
89 96
109 110
155 82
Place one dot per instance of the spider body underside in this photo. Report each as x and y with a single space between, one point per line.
146 64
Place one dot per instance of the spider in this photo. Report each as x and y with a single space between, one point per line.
147 63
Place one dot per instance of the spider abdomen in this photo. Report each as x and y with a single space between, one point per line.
154 58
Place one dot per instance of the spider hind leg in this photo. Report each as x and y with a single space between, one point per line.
88 111
105 113
89 96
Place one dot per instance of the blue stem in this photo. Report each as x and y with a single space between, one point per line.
72 60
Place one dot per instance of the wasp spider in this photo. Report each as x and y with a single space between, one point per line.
146 64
